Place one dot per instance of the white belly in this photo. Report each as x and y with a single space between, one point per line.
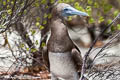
62 65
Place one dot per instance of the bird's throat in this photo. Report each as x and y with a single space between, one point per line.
59 39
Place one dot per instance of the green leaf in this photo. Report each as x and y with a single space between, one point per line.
36 4
96 5
22 45
8 0
3 16
113 28
12 2
44 22
2 26
47 7
41 27
8 6
43 44
76 4
91 20
71 1
33 50
52 1
109 21
64 1
37 24
25 11
49 15
107 7
118 26
27 49
45 15
43 1
33 32
38 19
9 11
4 3
89 10
36 42
90 2
116 12
80 8
101 19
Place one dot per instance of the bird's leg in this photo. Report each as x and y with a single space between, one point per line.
53 77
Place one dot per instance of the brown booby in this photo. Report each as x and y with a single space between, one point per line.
61 55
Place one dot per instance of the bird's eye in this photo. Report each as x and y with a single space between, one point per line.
66 9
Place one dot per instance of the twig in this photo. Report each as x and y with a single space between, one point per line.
91 47
16 17
10 18
106 45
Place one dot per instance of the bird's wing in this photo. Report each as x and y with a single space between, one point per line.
45 57
76 54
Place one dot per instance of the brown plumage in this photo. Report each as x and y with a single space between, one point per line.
61 55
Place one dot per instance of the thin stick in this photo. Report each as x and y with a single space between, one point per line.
91 47
106 45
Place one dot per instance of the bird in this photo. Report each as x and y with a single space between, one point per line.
77 27
61 55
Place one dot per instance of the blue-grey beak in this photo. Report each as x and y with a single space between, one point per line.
70 11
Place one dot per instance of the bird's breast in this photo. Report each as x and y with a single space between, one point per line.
62 65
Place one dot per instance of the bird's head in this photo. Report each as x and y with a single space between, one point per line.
65 10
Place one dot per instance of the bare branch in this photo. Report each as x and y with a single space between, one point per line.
106 45
10 18
17 17
91 47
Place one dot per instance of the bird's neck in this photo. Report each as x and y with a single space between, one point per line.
59 40
58 27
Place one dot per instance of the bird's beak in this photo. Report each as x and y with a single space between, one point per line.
73 11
